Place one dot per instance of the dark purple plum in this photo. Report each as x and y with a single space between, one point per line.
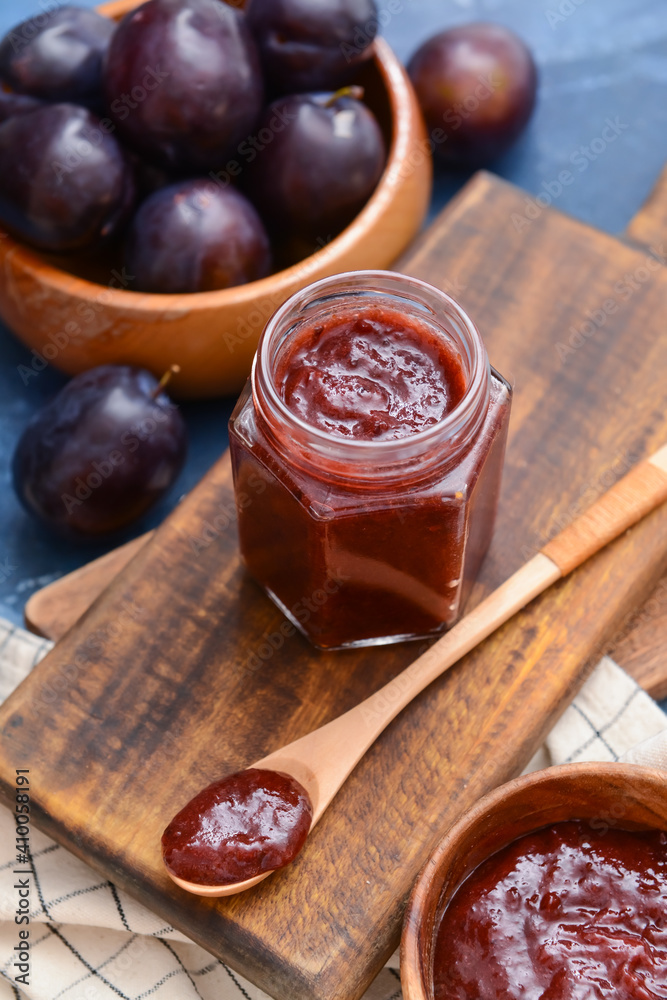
306 46
100 453
65 183
320 168
57 55
476 85
16 104
183 81
196 237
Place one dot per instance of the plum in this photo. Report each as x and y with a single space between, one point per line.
194 237
306 46
321 167
58 55
65 183
183 81
100 453
476 85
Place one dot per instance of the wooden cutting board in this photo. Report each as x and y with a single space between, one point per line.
178 672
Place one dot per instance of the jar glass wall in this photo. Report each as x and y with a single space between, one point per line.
368 541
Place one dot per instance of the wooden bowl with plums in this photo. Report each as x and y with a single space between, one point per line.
81 309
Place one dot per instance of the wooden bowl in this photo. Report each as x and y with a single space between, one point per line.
76 323
616 795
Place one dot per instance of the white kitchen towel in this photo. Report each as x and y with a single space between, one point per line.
90 941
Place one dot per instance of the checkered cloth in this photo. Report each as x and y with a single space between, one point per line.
90 941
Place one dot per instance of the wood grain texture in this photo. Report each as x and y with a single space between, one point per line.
179 673
640 645
53 610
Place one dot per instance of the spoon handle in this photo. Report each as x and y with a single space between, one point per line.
628 501
340 744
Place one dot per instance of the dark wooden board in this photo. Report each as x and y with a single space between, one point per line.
169 680
641 645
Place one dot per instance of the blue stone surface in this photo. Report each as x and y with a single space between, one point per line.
599 61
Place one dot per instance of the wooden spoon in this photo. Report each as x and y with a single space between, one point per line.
322 760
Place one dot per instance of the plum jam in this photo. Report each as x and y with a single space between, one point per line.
566 913
248 823
367 453
370 376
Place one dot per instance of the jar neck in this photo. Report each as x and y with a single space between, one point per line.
360 462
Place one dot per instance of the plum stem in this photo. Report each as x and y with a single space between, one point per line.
353 91
165 380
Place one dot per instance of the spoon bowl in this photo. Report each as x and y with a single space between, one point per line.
219 890
286 763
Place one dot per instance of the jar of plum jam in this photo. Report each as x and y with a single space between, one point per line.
367 451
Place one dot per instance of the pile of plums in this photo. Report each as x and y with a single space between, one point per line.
201 138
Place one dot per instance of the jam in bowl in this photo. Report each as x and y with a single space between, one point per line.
552 887
367 453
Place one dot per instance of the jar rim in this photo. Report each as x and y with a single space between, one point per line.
390 448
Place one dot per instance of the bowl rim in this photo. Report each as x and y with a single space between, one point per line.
402 105
412 936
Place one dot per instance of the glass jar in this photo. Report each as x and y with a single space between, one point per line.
361 542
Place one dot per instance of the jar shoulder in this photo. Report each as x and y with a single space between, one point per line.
452 482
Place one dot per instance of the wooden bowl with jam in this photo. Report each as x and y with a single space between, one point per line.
606 799
66 311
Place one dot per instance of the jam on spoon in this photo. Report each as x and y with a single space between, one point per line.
248 824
